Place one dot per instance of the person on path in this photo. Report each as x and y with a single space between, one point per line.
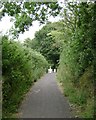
54 70
50 70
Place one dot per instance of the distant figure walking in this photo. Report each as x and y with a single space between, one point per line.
54 70
50 70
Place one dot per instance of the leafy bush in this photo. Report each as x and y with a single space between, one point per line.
21 66
76 63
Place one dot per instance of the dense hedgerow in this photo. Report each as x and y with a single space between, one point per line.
21 66
77 58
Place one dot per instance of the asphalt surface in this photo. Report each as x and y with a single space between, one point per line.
45 100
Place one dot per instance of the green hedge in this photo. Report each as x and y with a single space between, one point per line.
21 66
76 66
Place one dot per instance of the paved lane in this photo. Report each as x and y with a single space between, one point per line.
45 100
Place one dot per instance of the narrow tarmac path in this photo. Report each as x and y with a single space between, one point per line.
45 100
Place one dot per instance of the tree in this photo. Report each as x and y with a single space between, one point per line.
46 43
27 12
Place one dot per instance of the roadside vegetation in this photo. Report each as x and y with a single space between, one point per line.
21 67
68 45
76 65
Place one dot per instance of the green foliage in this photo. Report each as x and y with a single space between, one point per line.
27 12
75 69
46 43
72 39
21 67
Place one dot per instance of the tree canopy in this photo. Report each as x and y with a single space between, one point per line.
27 12
48 42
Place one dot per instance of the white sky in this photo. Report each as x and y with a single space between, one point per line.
6 24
